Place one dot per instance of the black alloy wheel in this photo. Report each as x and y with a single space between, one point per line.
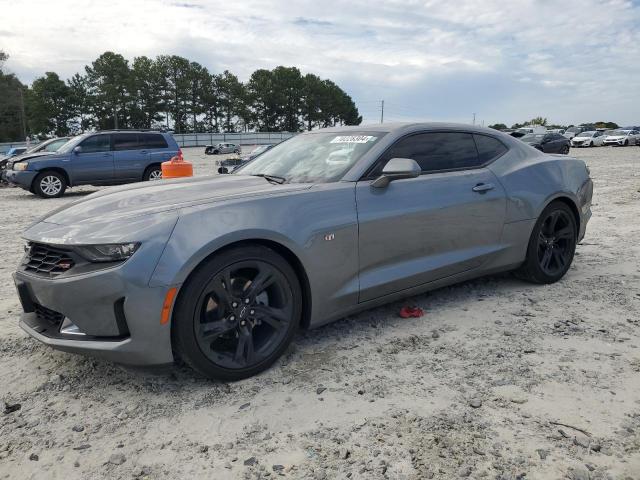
556 242
238 313
564 150
552 245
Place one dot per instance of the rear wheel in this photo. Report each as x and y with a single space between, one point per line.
50 184
552 245
237 313
154 172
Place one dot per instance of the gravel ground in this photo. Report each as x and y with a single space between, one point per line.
500 379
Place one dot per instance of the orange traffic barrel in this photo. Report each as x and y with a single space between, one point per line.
177 167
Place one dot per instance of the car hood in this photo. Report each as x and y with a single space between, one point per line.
31 156
113 204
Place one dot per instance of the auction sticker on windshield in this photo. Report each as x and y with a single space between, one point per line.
353 139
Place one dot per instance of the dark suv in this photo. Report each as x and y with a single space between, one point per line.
102 158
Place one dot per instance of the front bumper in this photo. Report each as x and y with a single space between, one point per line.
118 320
614 142
23 178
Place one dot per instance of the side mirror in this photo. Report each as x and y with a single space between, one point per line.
223 170
397 169
77 149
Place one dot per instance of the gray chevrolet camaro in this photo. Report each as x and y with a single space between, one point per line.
221 271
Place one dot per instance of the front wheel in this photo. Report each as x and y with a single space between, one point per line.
49 184
237 313
565 150
626 143
552 245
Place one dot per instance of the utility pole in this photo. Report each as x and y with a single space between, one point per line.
474 118
382 111
115 117
22 115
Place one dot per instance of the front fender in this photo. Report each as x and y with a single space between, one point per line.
319 226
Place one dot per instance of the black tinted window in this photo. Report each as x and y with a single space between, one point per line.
488 148
437 151
125 141
96 143
152 140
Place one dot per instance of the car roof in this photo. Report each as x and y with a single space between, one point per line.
406 127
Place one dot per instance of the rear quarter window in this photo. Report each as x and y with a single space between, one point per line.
152 140
489 148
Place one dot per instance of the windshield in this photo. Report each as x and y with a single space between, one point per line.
259 149
67 147
574 130
586 134
312 158
622 133
533 137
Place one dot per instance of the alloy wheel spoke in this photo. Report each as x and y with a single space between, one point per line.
261 282
222 288
546 258
275 317
559 258
244 350
212 330
553 219
565 233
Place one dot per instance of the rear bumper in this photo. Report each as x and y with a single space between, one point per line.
23 179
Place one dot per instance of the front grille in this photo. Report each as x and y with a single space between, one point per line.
50 316
47 261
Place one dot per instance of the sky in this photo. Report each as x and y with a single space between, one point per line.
569 61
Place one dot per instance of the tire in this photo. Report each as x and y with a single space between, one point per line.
553 241
207 151
49 184
591 144
246 331
152 173
626 143
565 150
215 152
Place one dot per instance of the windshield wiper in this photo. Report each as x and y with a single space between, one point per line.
271 178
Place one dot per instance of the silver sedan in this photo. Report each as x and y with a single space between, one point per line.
222 271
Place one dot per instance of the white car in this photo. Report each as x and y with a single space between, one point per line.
622 137
588 139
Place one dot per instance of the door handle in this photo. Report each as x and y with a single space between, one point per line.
483 187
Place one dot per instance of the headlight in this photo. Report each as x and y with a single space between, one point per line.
20 166
113 252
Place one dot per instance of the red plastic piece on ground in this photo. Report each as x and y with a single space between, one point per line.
411 312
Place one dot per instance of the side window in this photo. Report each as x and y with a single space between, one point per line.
125 141
96 143
435 151
488 148
152 140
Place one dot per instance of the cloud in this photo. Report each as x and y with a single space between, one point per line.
505 61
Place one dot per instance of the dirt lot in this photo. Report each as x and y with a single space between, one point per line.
497 380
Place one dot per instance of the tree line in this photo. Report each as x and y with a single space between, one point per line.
169 92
